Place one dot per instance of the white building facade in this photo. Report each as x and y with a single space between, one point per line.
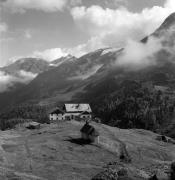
56 115
71 112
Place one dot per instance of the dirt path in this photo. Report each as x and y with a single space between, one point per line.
28 152
118 146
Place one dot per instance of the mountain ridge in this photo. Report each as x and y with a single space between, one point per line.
33 65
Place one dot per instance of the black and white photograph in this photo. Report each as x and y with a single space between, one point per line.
87 89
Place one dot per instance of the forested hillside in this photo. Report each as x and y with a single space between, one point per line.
138 105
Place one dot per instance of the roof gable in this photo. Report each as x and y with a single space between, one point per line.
57 111
77 108
85 113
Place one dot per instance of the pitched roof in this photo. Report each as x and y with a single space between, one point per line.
77 107
89 130
57 111
85 113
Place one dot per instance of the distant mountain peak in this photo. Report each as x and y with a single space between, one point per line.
110 50
61 60
166 29
69 56
23 60
33 65
168 23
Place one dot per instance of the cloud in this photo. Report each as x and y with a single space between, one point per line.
115 2
170 4
113 27
137 55
25 77
44 5
50 54
77 51
116 27
7 81
75 2
3 27
105 27
27 34
91 45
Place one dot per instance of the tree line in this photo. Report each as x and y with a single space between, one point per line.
136 106
20 114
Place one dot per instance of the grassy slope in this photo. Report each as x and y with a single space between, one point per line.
51 152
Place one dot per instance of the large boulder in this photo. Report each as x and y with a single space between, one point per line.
123 174
160 175
33 125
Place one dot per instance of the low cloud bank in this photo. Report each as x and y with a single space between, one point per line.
138 55
43 5
114 27
50 54
108 27
7 81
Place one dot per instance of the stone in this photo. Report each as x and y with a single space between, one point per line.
153 177
122 172
108 174
161 175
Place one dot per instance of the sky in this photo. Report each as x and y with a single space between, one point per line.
50 29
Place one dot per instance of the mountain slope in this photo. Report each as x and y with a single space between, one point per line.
65 78
21 72
165 31
32 65
61 60
24 70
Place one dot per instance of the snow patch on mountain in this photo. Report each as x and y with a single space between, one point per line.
61 60
110 50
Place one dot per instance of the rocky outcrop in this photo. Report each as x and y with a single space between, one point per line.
108 174
161 175
113 174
